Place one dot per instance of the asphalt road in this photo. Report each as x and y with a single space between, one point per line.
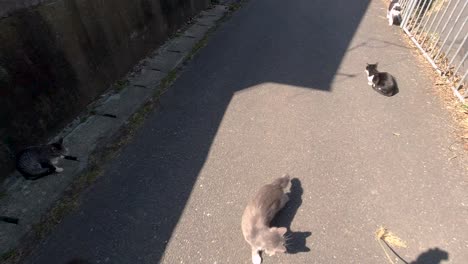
280 88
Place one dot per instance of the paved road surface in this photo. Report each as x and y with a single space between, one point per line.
280 88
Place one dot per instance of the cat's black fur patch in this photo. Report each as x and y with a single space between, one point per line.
382 82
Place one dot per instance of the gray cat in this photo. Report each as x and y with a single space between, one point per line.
39 161
257 216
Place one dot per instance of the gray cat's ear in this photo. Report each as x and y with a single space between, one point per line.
376 64
60 141
282 231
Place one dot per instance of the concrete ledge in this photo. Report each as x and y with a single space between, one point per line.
196 31
165 61
148 78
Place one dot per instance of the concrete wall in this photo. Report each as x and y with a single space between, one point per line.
57 56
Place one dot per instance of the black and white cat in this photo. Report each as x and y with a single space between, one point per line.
268 201
394 13
382 82
39 161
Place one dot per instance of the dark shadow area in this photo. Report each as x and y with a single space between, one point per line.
397 88
305 50
296 241
130 213
57 57
35 77
432 256
78 261
10 220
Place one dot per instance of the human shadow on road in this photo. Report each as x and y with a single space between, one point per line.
432 256
296 241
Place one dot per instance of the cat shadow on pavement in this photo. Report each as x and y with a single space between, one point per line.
296 241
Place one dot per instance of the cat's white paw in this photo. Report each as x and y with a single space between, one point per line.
256 259
58 169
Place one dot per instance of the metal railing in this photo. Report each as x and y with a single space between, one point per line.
439 29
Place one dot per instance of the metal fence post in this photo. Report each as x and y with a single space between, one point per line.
419 19
407 15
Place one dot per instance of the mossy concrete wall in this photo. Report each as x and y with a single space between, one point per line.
57 56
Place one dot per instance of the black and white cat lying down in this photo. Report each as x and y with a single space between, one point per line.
382 82
39 161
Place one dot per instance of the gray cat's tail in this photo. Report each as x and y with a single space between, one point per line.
283 181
